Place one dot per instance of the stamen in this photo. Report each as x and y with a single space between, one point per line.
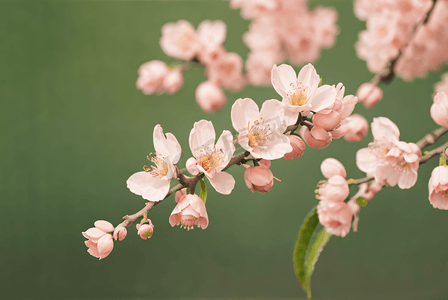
298 94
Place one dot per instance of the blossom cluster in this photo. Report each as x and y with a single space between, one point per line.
405 29
284 30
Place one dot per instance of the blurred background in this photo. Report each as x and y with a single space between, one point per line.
74 128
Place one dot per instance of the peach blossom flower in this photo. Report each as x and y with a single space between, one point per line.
438 187
369 94
334 189
261 132
211 158
151 77
179 40
145 231
211 35
301 93
227 71
336 217
100 241
154 183
298 146
317 137
120 233
259 178
189 211
439 109
355 128
173 81
331 167
210 97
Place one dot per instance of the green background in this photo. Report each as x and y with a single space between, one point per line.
73 128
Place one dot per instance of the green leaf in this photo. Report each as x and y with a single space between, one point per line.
203 193
361 201
308 248
322 239
442 161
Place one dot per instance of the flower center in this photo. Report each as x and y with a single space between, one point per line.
184 40
210 158
298 94
258 133
161 166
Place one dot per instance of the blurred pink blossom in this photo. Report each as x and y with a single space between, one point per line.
369 94
438 187
210 97
151 77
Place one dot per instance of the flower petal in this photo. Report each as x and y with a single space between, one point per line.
282 77
223 182
147 186
244 111
202 134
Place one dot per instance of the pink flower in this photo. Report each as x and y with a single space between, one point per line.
180 195
334 189
385 136
317 137
211 35
145 231
331 167
154 183
120 233
261 132
328 120
438 187
100 241
439 109
301 93
259 178
179 40
369 94
210 97
298 146
211 158
259 65
151 77
173 81
227 71
188 212
355 128
399 165
336 217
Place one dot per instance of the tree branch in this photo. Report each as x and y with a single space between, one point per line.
431 137
433 153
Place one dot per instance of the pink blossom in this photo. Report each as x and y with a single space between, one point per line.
179 40
210 97
259 65
227 71
151 77
173 81
334 189
211 35
317 137
328 120
154 183
211 158
120 233
355 127
336 217
298 146
369 94
439 109
301 93
100 242
145 231
385 136
399 165
261 132
189 211
259 178
331 167
180 195
438 187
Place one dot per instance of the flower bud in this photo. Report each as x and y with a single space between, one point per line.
120 233
151 77
356 128
173 81
145 231
331 167
439 109
210 97
335 189
316 138
259 178
327 121
192 166
297 147
369 94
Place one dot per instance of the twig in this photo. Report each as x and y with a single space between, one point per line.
433 153
431 137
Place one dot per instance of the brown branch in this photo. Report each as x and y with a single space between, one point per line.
431 137
387 74
433 153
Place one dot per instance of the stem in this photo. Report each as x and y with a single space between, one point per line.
431 137
433 153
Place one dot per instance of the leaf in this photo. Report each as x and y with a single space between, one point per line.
300 250
203 193
308 248
362 201
322 239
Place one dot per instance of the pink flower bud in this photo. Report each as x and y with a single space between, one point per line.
151 77
317 137
192 166
439 109
438 187
331 167
335 189
336 217
173 81
99 241
190 211
120 233
210 97
369 94
259 179
180 195
145 231
327 121
297 147
104 226
356 128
